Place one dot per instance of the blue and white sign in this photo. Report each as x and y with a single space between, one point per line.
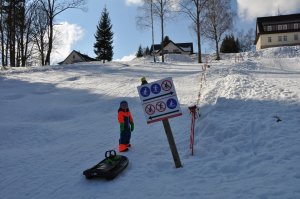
155 88
145 91
159 100
172 103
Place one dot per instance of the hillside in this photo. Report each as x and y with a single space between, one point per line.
57 121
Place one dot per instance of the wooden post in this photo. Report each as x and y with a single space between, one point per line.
172 143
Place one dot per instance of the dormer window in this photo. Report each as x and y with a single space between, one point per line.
279 27
269 28
284 27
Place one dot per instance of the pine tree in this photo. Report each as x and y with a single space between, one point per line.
104 38
147 51
139 52
230 45
166 41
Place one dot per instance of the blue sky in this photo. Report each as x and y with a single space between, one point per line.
78 28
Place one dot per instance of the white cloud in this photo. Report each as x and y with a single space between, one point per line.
66 35
133 2
250 10
127 58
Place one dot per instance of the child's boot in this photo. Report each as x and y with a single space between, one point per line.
123 147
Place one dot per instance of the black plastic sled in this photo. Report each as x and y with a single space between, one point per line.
108 168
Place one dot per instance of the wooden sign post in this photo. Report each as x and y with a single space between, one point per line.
172 143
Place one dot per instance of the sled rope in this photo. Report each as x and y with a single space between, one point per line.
194 110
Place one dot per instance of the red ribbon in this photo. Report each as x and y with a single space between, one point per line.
192 135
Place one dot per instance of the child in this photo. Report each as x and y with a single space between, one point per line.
126 126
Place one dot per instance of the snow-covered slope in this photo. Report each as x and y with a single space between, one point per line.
57 121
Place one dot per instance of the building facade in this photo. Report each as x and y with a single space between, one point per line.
274 31
173 48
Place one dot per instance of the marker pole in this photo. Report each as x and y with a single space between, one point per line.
172 143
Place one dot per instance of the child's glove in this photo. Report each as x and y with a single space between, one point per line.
131 126
122 128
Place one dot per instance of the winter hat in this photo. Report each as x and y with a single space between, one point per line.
124 103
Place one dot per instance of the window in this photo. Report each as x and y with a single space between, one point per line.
279 27
269 28
296 26
269 39
279 38
284 27
284 38
296 37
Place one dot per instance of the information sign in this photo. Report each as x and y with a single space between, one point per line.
159 100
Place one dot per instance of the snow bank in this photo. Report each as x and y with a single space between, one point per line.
57 121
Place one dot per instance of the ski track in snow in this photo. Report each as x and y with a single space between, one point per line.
57 121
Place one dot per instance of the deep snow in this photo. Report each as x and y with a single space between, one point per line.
57 121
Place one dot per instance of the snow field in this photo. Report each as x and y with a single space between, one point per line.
57 121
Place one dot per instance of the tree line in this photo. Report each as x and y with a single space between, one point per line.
210 19
27 29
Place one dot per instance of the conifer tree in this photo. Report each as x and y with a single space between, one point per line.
147 51
104 38
230 45
139 52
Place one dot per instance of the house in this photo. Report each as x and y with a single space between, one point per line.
75 57
273 31
173 48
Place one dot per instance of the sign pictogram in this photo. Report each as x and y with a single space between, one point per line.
150 109
145 91
160 106
155 88
166 85
171 103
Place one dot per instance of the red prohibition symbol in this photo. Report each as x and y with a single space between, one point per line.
160 106
150 109
166 85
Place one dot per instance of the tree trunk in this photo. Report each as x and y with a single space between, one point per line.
49 50
2 45
162 31
217 50
198 38
152 27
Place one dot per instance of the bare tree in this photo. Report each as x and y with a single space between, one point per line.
52 8
145 20
218 20
193 9
163 9
40 26
2 33
16 31
27 35
246 40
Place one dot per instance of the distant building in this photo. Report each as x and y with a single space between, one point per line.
273 31
75 57
173 48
